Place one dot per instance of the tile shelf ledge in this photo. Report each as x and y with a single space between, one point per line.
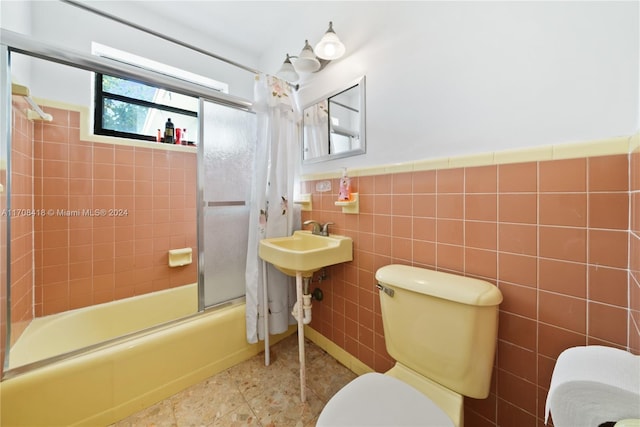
305 202
593 148
87 135
351 206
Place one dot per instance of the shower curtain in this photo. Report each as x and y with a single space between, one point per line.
272 210
316 130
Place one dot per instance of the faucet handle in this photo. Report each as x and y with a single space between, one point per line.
325 228
316 226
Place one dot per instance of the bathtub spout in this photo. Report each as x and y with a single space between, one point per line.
306 308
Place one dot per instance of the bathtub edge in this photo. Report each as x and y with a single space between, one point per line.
104 386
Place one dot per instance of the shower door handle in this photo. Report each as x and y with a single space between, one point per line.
221 203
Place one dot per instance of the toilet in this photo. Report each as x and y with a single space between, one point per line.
441 330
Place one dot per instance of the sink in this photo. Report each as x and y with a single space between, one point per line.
305 252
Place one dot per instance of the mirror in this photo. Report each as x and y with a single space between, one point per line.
334 126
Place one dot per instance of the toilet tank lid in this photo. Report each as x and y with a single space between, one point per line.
465 290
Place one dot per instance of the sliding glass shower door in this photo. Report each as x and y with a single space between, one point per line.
226 156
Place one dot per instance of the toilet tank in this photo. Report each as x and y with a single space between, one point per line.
441 325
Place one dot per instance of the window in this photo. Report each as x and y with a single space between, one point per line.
131 109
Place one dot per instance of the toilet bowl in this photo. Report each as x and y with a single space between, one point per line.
441 329
380 400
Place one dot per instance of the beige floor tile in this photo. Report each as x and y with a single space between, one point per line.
241 417
251 394
158 415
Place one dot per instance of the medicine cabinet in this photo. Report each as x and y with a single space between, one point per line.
334 125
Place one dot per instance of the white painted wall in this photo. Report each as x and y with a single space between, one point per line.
74 29
443 78
457 78
16 16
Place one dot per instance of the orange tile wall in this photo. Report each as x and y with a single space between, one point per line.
21 221
22 232
84 260
552 235
634 254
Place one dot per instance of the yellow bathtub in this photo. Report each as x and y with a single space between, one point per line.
108 383
65 332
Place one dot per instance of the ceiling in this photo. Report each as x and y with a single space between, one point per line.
252 27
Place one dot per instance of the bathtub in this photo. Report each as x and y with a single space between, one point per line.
66 332
110 381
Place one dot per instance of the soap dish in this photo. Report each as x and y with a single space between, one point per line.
304 201
351 206
180 257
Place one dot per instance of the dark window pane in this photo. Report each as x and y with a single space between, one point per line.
128 88
135 90
124 117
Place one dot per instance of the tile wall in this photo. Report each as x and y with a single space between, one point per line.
107 216
634 253
22 292
552 235
21 221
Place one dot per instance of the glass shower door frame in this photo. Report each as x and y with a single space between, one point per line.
5 150
203 204
25 45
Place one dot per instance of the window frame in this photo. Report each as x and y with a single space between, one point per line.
101 95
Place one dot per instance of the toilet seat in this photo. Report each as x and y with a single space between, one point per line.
380 400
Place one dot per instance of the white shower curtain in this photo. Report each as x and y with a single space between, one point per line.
316 130
272 209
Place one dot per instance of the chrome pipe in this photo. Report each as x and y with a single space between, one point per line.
157 34
5 156
23 44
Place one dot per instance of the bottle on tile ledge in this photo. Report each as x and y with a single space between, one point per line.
184 137
168 132
344 193
178 135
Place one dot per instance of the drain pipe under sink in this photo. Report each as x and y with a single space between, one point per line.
306 308
306 303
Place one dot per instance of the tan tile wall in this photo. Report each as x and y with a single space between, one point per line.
552 235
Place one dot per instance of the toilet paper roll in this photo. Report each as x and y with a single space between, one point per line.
592 385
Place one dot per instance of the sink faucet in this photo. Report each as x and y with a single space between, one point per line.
319 229
316 226
325 228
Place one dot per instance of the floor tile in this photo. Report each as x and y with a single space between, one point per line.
251 394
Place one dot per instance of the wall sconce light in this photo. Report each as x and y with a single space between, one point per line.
328 48
287 72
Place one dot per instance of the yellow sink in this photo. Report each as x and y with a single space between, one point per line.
305 252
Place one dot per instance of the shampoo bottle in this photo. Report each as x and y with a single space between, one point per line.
168 132
344 194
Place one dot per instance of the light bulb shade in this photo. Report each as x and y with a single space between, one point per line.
287 72
307 61
330 47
